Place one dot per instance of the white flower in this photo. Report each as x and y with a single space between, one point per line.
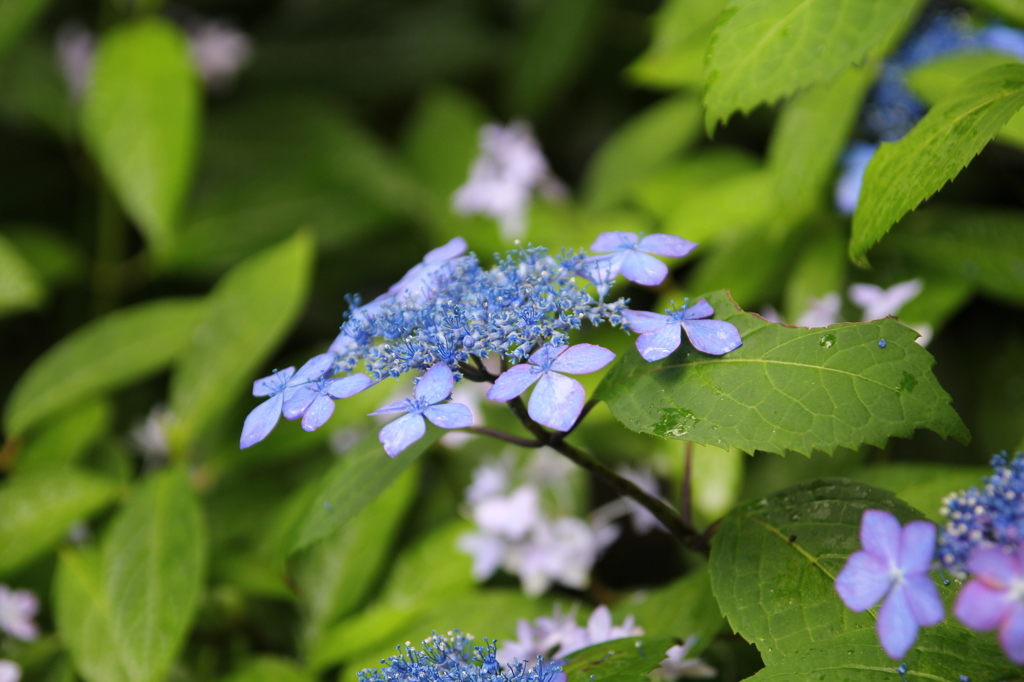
17 609
150 437
558 636
219 51
510 516
487 551
821 312
75 47
878 302
641 518
561 551
676 665
600 628
9 671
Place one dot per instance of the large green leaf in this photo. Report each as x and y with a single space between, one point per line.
21 287
618 660
764 50
154 563
269 669
903 174
140 119
38 508
67 439
683 608
786 388
106 354
1011 10
675 58
819 269
15 17
773 567
249 311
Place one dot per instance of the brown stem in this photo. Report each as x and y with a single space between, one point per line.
501 435
686 498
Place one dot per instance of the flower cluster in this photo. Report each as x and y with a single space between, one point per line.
18 609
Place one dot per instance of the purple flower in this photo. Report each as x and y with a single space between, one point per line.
659 334
310 394
628 254
558 400
434 386
262 420
995 598
893 564
18 608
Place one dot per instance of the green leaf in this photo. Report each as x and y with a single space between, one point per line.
356 480
52 254
675 58
621 659
922 485
641 145
83 617
154 562
773 566
903 174
104 355
684 607
140 120
431 570
33 94
786 388
820 267
442 139
249 312
752 263
763 51
67 439
16 16
269 669
21 287
38 508
1011 10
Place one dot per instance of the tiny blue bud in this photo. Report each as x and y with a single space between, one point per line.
881 344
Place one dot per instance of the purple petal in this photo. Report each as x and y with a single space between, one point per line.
897 628
401 433
298 400
436 384
449 416
613 241
347 387
556 402
979 606
1011 634
582 358
880 534
318 413
391 408
923 597
714 337
863 581
547 354
456 247
513 382
994 567
667 245
659 344
600 269
917 547
643 269
273 384
261 421
698 310
314 368
644 322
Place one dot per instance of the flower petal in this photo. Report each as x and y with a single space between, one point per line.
714 337
449 416
320 410
644 322
275 383
698 310
613 241
923 597
261 421
660 343
314 368
401 433
667 245
880 535
513 382
348 386
994 567
897 628
436 384
1011 634
390 408
979 606
557 401
917 547
643 269
863 581
298 399
583 358
547 353
456 247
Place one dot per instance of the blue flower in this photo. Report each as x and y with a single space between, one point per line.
558 400
434 386
262 420
660 334
893 564
993 598
628 253
855 163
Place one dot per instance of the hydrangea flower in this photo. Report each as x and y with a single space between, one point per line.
995 598
18 608
660 334
676 665
854 164
559 635
640 517
893 564
878 303
433 387
633 256
9 671
600 628
557 400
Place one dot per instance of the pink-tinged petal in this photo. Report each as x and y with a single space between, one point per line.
1011 634
994 567
297 401
713 337
923 597
556 402
582 358
980 607
917 547
644 322
436 384
449 416
660 343
314 368
318 413
512 383
272 384
261 421
667 245
613 241
391 408
456 247
698 310
401 433
347 387
863 581
643 269
897 629
880 535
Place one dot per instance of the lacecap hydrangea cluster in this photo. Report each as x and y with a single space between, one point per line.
448 313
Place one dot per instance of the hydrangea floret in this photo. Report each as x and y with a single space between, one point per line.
18 609
660 334
995 598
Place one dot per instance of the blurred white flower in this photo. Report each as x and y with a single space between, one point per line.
510 516
75 46
878 302
821 312
640 518
9 671
220 51
600 628
676 665
150 437
17 609
560 635
563 551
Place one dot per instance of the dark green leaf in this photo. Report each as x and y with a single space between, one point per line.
1011 10
16 16
683 608
922 485
21 287
786 388
622 659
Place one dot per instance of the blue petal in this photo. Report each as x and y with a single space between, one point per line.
512 383
449 416
643 269
318 413
401 433
1011 633
923 597
556 401
667 245
643 322
261 421
897 629
613 241
348 386
917 547
273 384
547 354
436 384
979 606
863 581
582 358
698 310
456 247
714 337
660 343
314 368
390 408
298 400
880 534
